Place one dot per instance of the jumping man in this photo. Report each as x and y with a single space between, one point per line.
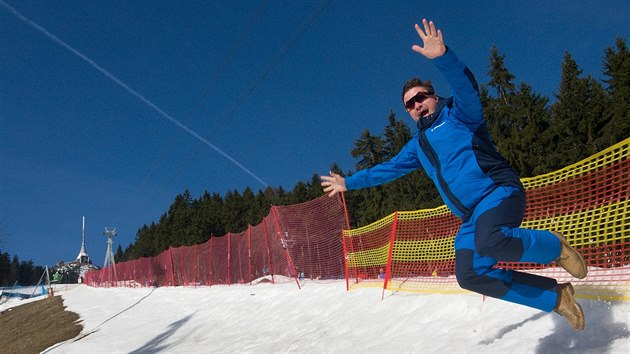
477 184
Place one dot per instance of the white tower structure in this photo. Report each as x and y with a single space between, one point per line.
83 256
109 255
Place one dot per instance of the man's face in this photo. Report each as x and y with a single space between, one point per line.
419 102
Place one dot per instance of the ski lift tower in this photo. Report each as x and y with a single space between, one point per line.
109 255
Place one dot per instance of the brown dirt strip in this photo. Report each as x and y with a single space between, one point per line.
33 327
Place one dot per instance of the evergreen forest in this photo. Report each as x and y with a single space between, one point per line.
13 272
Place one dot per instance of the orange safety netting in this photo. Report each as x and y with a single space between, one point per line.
295 241
588 202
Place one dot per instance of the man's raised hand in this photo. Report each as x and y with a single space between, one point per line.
432 40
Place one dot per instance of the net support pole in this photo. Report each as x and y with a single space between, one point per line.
388 271
343 240
284 245
210 262
268 249
229 275
170 253
345 261
196 280
249 252
183 276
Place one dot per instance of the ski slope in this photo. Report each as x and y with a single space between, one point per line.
324 317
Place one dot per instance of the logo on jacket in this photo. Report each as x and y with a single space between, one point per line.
437 126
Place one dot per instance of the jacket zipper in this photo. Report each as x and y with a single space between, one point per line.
433 159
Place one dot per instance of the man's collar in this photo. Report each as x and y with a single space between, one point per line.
427 121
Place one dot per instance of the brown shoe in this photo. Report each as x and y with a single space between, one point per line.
568 308
570 259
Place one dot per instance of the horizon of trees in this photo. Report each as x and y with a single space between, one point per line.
12 271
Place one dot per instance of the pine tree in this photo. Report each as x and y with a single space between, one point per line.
5 264
593 128
617 114
401 194
410 192
497 111
252 213
178 220
369 149
213 215
299 194
572 118
516 119
315 187
14 267
118 256
397 135
524 148
336 169
26 273
235 212
501 78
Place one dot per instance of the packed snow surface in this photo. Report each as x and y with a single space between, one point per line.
324 317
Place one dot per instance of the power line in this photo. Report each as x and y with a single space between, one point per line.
129 90
211 84
239 102
275 61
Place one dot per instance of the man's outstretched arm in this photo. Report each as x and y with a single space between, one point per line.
465 87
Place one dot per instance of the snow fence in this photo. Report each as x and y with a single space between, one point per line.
408 250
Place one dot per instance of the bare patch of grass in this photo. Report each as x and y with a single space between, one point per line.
33 327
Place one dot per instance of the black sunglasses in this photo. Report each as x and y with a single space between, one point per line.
419 97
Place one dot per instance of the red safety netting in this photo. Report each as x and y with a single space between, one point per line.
294 241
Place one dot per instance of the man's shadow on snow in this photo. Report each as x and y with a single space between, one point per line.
600 330
513 327
156 344
599 333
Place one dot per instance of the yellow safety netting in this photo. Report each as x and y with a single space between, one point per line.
587 201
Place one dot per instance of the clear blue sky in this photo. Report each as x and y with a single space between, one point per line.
108 110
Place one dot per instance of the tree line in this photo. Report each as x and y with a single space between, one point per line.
190 221
12 271
535 134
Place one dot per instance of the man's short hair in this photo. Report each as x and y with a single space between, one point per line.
416 82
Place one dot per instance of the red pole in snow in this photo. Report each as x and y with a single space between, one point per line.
389 257
284 245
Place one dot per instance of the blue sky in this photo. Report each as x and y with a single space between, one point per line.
108 110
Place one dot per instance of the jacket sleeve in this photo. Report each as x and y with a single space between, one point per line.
401 164
466 101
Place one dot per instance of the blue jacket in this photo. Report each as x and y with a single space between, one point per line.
452 145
